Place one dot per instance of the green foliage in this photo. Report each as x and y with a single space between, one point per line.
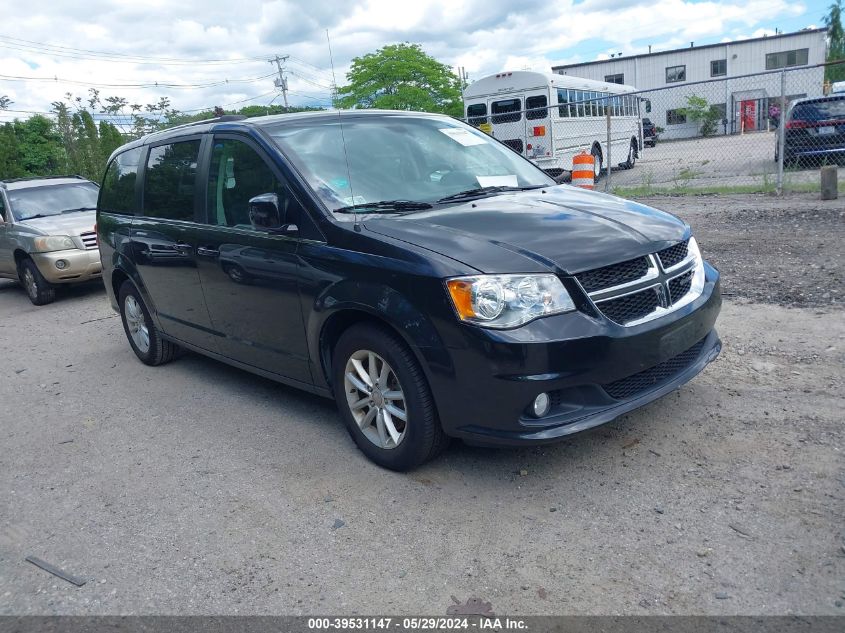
835 41
401 77
5 102
698 110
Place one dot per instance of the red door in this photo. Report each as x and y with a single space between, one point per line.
748 110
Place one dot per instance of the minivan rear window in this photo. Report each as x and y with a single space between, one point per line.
508 110
170 181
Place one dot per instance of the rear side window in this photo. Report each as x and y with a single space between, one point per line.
118 192
536 107
477 114
508 110
170 181
833 109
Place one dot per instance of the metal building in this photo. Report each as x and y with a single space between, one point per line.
740 78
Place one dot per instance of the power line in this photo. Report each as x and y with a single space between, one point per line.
155 84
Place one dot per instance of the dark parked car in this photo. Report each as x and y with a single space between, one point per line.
815 129
429 279
649 133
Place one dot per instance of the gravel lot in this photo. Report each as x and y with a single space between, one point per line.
198 488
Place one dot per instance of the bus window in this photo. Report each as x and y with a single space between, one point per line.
477 114
647 105
536 107
602 100
506 111
579 102
563 98
594 103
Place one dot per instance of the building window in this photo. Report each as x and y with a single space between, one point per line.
675 117
618 78
675 74
718 67
787 59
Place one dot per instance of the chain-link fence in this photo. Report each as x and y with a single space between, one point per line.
721 136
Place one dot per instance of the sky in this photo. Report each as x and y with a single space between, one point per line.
216 52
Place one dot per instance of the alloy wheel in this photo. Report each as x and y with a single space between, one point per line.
137 324
375 399
30 284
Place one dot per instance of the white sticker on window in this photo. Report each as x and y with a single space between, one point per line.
462 136
497 181
354 200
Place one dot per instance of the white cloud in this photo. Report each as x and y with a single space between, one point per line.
483 36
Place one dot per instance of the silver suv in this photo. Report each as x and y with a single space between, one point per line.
47 233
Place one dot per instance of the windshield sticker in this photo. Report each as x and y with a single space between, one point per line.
354 200
462 136
497 181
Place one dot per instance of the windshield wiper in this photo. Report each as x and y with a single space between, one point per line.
479 192
78 209
36 216
385 206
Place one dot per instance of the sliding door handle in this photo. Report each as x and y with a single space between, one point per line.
207 252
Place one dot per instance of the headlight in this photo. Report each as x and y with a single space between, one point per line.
502 301
53 243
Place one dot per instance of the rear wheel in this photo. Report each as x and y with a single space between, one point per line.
632 156
384 399
38 289
144 338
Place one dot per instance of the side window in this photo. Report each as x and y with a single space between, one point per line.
536 107
507 111
236 175
563 99
170 180
2 209
477 114
118 192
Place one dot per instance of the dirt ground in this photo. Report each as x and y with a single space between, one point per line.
198 488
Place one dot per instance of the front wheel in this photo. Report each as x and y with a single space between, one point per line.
384 399
597 162
38 289
632 156
144 337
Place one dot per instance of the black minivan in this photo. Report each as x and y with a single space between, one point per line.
432 281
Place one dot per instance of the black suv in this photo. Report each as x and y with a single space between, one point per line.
815 130
429 279
649 133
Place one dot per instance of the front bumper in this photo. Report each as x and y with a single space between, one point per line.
82 265
594 374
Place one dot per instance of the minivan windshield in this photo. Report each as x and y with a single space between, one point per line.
400 164
45 200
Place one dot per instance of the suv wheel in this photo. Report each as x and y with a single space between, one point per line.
143 336
39 290
384 399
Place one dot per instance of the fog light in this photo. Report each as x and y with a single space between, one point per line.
61 264
541 405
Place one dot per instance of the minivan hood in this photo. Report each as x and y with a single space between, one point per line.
561 227
66 224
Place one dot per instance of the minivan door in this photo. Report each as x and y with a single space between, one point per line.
248 262
163 242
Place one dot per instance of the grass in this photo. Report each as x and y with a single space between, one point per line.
708 190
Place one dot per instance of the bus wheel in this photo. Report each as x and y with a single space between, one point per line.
632 156
596 152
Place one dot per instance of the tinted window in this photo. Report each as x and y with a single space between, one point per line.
477 114
536 107
170 180
718 67
118 193
833 109
676 73
2 208
615 79
237 174
787 59
500 108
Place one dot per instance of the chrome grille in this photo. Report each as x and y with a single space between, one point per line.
674 254
631 307
613 275
89 239
654 376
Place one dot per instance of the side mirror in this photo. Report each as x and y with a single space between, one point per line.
264 211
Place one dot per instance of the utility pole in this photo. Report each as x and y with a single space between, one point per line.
281 82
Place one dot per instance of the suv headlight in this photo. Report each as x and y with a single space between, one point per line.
502 301
49 243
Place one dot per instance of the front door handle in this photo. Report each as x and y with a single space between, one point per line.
207 252
184 249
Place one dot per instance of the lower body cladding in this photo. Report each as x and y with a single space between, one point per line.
596 373
74 266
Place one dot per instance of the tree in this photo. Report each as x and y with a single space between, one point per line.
5 102
835 42
700 111
401 77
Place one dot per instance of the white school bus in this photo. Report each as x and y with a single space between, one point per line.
550 118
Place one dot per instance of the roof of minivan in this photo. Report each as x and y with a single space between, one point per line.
201 127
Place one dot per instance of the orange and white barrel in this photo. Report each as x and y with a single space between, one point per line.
582 170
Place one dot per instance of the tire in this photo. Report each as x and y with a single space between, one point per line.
38 289
632 156
139 326
376 426
597 162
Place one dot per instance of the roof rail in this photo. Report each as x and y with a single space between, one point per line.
217 119
23 178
